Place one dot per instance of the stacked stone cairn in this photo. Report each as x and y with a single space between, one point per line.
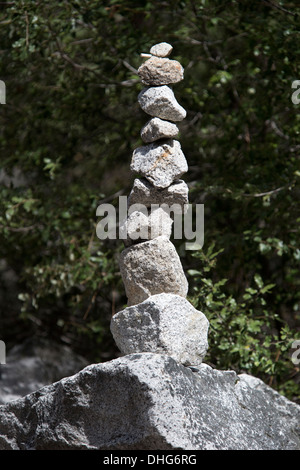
158 318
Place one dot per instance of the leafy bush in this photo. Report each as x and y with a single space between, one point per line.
67 134
245 335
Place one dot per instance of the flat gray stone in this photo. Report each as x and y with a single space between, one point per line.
150 402
157 128
145 193
150 268
160 163
160 102
163 49
140 227
158 71
164 324
35 363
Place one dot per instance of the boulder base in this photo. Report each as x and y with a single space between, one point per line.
150 402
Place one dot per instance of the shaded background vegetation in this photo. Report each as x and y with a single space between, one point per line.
67 134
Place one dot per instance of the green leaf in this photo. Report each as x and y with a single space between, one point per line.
258 280
267 288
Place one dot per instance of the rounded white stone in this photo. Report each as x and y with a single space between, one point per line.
163 49
160 102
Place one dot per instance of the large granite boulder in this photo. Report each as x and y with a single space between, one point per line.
150 402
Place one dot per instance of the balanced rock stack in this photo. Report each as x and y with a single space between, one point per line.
158 318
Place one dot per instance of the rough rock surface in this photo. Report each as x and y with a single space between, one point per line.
150 268
164 324
150 402
160 102
35 363
161 164
141 227
163 49
156 129
143 192
158 71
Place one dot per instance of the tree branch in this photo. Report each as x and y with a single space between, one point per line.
273 191
278 7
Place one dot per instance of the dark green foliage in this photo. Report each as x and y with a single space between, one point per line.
70 125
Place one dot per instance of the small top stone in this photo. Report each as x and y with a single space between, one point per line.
163 49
